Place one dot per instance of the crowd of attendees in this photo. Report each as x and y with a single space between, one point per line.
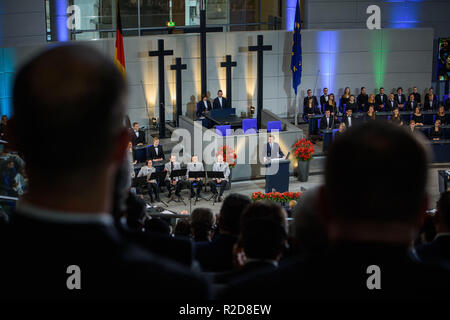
81 212
366 107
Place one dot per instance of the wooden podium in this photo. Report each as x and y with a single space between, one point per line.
277 175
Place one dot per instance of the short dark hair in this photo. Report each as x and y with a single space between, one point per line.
231 211
263 230
135 123
67 90
157 225
219 91
202 221
381 88
386 192
399 88
362 88
443 208
308 90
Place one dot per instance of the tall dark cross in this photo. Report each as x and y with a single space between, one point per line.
178 66
161 53
228 64
203 30
260 48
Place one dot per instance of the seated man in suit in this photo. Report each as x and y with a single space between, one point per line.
220 102
324 99
272 150
204 107
176 182
438 250
432 95
220 166
156 152
309 96
327 121
412 103
417 96
152 186
400 98
137 135
369 236
63 225
347 118
380 100
194 166
217 255
391 104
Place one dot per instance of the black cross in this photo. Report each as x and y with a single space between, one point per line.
178 66
160 53
203 30
260 48
228 64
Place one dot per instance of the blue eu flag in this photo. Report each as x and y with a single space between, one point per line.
296 59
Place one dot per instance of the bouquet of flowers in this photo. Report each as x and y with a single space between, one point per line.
303 150
228 154
282 198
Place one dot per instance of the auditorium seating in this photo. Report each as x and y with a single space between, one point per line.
273 125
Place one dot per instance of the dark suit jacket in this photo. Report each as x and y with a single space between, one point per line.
345 120
408 106
323 123
217 255
135 140
391 105
362 101
436 134
435 252
353 106
268 150
417 97
111 268
428 105
216 103
152 153
396 98
323 102
202 109
427 98
341 273
307 111
378 99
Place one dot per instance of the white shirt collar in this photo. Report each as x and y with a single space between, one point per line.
30 210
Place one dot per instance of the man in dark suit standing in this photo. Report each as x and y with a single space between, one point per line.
400 98
391 104
324 99
272 150
438 250
380 100
412 103
155 151
310 96
369 236
63 229
417 96
347 118
362 100
220 102
137 135
204 107
327 121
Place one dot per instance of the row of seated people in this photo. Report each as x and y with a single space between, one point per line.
330 122
177 183
380 102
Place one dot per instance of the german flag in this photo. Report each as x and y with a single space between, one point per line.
119 53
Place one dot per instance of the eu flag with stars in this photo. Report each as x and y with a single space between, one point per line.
296 59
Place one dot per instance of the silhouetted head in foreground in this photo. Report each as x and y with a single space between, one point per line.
68 123
375 180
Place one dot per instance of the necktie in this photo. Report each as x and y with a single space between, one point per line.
171 168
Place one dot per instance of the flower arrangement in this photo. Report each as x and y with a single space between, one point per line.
282 198
303 150
229 155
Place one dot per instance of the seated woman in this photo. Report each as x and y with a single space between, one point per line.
441 115
436 133
344 99
396 118
331 104
351 104
371 114
418 117
371 102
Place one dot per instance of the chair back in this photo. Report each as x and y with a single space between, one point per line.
273 125
222 130
248 124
